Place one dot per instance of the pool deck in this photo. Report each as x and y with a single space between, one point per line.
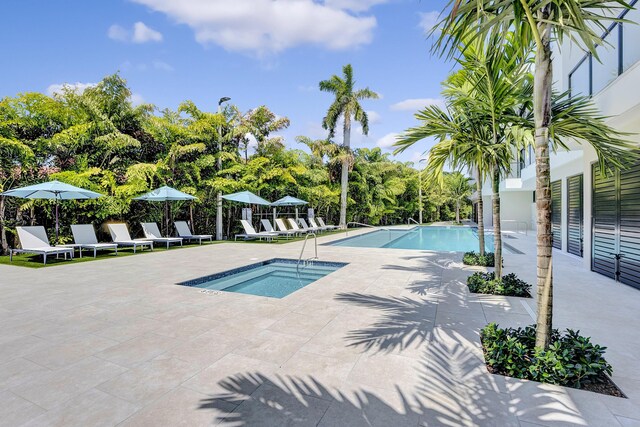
390 339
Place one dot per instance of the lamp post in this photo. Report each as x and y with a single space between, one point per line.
219 198
420 191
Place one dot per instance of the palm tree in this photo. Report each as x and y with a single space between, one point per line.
462 143
539 21
482 103
346 106
458 190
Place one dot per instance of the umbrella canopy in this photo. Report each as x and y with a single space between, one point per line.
246 197
164 194
52 190
289 201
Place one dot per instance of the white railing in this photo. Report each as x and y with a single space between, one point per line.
304 245
410 220
525 225
356 223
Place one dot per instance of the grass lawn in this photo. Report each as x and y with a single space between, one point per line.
35 261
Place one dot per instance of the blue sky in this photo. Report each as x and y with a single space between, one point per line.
258 52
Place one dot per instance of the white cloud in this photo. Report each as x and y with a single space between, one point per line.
387 141
140 33
116 32
428 20
265 27
137 99
144 34
353 5
374 117
415 104
58 88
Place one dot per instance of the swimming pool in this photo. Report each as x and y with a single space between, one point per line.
275 278
432 238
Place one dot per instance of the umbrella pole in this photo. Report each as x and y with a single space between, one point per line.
166 212
57 224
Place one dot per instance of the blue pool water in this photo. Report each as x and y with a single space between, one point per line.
275 278
446 239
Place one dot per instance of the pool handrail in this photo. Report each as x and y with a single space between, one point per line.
412 220
304 245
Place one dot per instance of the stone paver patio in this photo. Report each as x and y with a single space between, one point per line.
390 339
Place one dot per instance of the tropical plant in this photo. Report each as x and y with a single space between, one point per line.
540 21
346 106
481 103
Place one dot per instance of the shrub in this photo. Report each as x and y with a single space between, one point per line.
473 258
571 359
509 285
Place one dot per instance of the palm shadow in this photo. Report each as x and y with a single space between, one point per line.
257 399
404 322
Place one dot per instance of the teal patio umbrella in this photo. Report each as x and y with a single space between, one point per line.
246 197
52 190
288 201
165 194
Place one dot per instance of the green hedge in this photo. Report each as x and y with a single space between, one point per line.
571 359
509 285
474 258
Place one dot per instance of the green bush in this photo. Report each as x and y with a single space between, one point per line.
571 360
473 258
510 285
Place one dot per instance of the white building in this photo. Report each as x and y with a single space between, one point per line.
594 217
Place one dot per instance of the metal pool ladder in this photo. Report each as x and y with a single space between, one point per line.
307 261
367 225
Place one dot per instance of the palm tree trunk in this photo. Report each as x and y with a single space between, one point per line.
344 178
480 214
543 80
457 211
497 232
3 231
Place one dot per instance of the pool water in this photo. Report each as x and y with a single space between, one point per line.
275 278
444 239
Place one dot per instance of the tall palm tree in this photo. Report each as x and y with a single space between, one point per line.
346 106
462 143
482 100
540 21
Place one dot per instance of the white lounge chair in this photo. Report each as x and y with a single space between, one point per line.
34 240
312 224
266 224
183 231
84 237
327 226
306 227
152 232
251 233
294 226
281 225
120 235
